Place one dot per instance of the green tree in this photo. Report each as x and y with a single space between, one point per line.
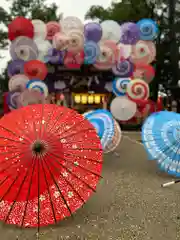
127 10
34 9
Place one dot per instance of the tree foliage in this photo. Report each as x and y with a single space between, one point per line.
127 10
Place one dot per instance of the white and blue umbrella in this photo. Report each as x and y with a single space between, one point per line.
119 86
111 147
161 139
38 85
103 122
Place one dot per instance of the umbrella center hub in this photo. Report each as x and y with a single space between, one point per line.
39 148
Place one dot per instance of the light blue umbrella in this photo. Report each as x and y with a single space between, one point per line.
103 122
148 29
162 140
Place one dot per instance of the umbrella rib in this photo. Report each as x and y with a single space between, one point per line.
48 119
14 202
60 191
94 142
47 184
89 159
9 188
12 140
76 176
36 159
73 173
175 153
72 126
92 149
58 156
66 181
7 168
56 121
8 146
11 158
41 123
33 123
51 141
10 131
76 133
29 190
22 131
166 149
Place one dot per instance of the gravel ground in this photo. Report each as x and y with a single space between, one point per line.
129 204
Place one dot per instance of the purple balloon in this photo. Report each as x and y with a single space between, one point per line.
124 68
130 33
15 67
93 32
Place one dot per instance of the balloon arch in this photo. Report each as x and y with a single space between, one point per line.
68 57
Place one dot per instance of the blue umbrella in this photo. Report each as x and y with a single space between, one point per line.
147 125
162 140
148 29
103 122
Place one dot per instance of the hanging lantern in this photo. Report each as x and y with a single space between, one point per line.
77 99
97 99
90 99
84 99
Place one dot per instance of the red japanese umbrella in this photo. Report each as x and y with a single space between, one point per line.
74 60
20 26
35 69
50 164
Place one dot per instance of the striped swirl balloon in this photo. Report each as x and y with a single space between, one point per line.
119 86
103 122
39 86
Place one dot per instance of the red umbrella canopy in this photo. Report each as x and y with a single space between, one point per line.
74 60
35 69
50 164
20 26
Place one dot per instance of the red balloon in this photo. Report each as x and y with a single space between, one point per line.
20 26
35 69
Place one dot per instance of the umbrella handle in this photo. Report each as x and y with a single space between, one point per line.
170 183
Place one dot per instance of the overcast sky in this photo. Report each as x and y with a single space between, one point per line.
76 8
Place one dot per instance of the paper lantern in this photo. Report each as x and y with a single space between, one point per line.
84 99
77 99
90 99
97 99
